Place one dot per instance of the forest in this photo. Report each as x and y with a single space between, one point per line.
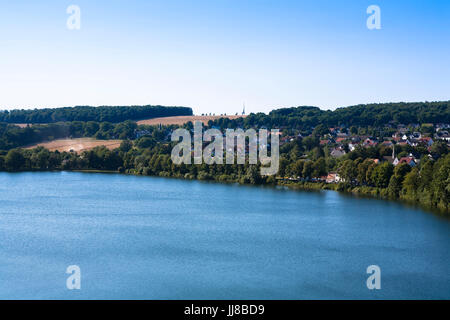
86 113
364 115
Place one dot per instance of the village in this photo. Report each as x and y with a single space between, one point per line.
406 143
398 144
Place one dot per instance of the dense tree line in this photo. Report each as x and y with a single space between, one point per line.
375 115
86 113
428 183
40 158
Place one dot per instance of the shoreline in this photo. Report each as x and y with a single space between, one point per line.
295 186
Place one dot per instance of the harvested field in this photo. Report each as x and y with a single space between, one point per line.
179 120
77 145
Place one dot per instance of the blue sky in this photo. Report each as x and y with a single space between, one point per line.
215 55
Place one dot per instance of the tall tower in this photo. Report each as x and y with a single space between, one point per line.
393 151
243 109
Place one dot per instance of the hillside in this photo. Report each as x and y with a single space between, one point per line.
86 113
180 120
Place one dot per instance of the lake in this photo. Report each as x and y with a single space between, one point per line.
157 238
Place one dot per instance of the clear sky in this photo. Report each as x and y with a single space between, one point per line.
214 55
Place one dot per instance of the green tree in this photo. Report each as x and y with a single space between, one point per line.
320 168
439 148
145 142
308 168
14 160
401 170
394 187
362 170
297 168
382 174
126 145
348 171
441 183
411 184
283 166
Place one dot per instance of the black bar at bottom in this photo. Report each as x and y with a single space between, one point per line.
228 309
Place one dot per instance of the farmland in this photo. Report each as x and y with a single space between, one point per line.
179 120
76 145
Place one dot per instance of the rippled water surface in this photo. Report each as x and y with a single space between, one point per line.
156 238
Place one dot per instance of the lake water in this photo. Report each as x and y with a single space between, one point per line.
156 238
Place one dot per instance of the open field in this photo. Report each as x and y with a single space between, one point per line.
77 145
183 119
178 120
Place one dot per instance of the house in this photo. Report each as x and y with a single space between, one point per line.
402 130
352 146
440 126
342 135
445 137
415 135
141 133
325 142
392 160
404 143
339 140
286 139
369 143
333 177
337 153
427 141
409 160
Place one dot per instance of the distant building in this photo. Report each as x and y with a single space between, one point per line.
392 159
445 137
404 143
352 146
141 133
426 141
409 160
369 143
333 177
342 135
341 139
337 153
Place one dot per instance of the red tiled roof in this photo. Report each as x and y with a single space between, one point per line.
406 160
